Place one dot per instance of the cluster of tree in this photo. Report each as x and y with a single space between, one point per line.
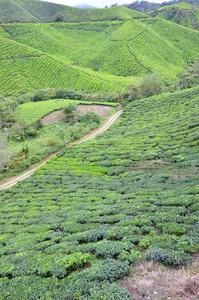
190 76
151 85
59 17
145 6
4 153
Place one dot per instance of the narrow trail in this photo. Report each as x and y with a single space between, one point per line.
84 139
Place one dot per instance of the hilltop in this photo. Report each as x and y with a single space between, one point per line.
182 13
41 11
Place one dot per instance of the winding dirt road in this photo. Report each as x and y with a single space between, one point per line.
84 139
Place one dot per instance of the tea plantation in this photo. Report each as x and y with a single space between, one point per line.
92 56
76 226
24 69
43 11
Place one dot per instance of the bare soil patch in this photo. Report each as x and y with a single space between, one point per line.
101 110
154 281
58 115
53 117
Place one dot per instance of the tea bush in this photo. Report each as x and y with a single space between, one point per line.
75 226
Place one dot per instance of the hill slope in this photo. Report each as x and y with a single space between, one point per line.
41 11
94 209
24 68
182 13
112 54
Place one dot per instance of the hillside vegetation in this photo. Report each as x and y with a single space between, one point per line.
136 191
182 13
76 226
92 57
41 11
33 111
24 68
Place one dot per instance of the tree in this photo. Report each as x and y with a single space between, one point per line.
195 67
4 153
70 114
7 106
59 17
132 92
151 85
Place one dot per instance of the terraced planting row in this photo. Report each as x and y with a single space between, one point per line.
25 69
83 56
75 227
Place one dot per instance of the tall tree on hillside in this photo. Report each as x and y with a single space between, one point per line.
59 17
4 153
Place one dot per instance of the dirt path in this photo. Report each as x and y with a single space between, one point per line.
84 139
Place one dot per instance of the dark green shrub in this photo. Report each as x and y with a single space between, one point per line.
70 114
169 257
117 170
151 85
62 93
89 117
59 17
109 270
40 95
108 248
107 292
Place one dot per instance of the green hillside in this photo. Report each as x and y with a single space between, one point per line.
182 13
75 227
12 11
41 11
24 68
92 56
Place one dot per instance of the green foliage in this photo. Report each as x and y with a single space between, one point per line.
5 154
59 18
73 51
89 118
169 257
69 112
29 73
40 96
21 131
86 215
109 270
31 112
189 77
182 13
38 11
7 106
151 85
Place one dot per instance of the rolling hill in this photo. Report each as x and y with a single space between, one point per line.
41 11
79 224
92 56
24 68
